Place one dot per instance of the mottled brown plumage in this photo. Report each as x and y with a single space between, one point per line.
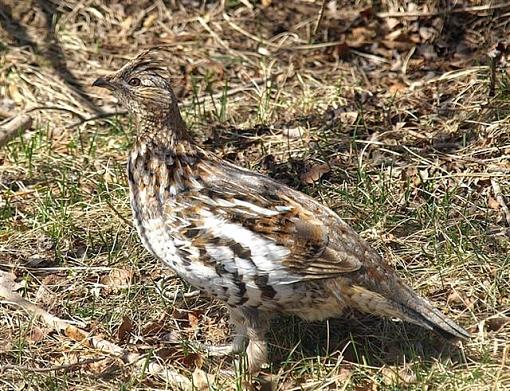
257 245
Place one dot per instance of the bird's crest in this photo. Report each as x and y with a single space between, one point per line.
148 60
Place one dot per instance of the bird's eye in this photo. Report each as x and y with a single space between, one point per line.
135 82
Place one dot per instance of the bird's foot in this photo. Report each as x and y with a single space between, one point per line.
238 345
216 350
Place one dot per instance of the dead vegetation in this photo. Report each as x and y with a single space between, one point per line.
393 114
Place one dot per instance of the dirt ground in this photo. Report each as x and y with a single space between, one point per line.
393 113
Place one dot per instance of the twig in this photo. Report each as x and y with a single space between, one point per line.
93 118
495 56
501 200
42 108
319 18
66 367
118 214
16 125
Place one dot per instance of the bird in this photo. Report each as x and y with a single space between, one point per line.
259 246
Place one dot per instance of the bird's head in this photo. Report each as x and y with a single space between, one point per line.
142 86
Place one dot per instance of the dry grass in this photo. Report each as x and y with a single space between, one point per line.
392 102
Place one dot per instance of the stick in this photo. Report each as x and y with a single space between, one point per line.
12 128
66 367
319 19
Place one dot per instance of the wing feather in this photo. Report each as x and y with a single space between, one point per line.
279 229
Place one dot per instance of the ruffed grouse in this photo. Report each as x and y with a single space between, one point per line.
255 244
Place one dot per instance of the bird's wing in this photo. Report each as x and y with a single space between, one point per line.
245 221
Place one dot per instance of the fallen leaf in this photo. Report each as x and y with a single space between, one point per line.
496 324
396 375
200 380
293 133
315 173
179 314
348 117
118 278
492 203
360 36
153 328
194 319
44 295
193 360
125 329
397 87
5 346
76 334
102 367
167 352
454 298
8 282
37 334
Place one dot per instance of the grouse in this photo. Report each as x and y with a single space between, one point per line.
257 245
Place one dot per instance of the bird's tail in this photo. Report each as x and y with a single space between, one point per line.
402 303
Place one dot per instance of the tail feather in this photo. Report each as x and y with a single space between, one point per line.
422 313
406 305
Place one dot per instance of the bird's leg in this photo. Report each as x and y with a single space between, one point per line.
249 324
256 328
238 344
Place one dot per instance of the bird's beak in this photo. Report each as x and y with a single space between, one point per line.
104 82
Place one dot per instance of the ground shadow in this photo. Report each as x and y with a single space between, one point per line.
360 339
51 52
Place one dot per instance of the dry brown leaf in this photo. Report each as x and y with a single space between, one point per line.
77 334
153 328
5 346
397 88
348 117
194 319
492 203
496 324
360 36
125 329
179 314
44 295
396 375
345 374
37 334
200 380
193 360
391 23
315 173
101 366
8 282
118 278
454 298
293 133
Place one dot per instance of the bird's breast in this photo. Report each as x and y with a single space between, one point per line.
157 193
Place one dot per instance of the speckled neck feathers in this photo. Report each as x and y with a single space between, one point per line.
163 130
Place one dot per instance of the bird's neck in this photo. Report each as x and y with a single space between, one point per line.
168 132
